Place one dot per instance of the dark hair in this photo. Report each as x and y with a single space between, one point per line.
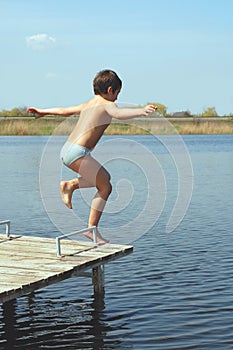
104 79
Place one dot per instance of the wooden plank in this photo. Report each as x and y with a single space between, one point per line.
28 263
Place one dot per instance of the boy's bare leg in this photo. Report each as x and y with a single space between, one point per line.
93 175
100 239
98 204
68 187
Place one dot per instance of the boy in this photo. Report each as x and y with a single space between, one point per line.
95 117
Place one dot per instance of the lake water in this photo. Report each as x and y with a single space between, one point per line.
175 291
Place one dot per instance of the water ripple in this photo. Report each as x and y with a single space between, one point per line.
173 293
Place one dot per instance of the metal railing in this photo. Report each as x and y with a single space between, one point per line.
8 225
59 238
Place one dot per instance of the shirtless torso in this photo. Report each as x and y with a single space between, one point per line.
93 121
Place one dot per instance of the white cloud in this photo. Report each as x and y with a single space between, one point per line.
40 41
51 75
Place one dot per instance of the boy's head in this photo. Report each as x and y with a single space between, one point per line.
105 79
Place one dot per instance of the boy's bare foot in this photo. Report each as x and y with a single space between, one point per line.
67 188
100 239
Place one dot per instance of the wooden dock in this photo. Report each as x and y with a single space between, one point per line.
28 263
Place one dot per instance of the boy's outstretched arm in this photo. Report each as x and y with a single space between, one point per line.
129 113
62 111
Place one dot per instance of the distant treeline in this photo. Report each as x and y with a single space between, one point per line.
143 126
162 111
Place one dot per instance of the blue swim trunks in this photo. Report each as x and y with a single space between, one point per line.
70 152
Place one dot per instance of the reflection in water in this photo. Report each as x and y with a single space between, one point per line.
8 336
33 323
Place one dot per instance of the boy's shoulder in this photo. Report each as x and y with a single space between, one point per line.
95 101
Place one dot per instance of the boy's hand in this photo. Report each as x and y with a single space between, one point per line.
36 111
149 109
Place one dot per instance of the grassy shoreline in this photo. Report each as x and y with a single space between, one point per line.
56 126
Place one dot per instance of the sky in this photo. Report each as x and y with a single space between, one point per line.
175 52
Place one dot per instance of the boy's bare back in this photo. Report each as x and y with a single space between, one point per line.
93 121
